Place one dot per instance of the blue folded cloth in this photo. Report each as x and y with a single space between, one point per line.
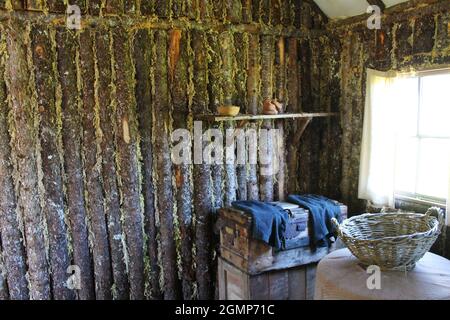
269 221
322 210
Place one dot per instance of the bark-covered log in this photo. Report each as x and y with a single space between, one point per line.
292 107
241 47
162 9
25 144
266 176
202 175
254 107
114 7
11 238
275 17
43 48
233 10
3 286
94 190
147 7
280 150
218 9
126 149
179 49
109 172
71 136
142 57
265 10
56 6
247 11
163 165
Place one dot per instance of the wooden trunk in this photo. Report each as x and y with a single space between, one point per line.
286 284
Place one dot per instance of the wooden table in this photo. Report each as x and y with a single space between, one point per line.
341 277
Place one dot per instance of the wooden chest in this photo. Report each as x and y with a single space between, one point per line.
253 256
286 284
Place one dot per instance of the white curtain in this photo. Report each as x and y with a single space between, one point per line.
376 174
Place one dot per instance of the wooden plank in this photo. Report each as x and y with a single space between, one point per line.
310 281
24 142
219 118
109 172
297 283
259 287
278 285
43 48
163 165
71 136
14 261
93 187
126 149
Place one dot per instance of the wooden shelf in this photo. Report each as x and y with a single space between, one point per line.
250 117
304 119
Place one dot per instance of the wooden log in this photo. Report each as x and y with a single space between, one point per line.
179 83
256 6
163 165
275 17
216 98
4 295
14 261
177 8
142 57
126 149
286 13
265 10
109 172
114 7
281 97
24 142
219 9
162 9
241 46
202 175
247 11
94 191
254 107
266 176
233 10
43 48
147 7
56 6
292 106
71 137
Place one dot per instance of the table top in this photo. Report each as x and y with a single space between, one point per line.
341 277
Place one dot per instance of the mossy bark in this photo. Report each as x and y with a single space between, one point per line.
179 49
163 166
143 64
43 48
254 107
202 175
14 261
25 147
126 148
92 170
267 59
109 171
71 137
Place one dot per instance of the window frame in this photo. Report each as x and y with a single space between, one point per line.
417 197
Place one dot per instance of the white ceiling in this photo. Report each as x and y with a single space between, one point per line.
341 9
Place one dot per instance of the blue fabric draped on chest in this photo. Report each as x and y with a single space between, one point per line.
269 221
322 210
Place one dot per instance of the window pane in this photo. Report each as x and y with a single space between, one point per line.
406 100
406 165
435 106
433 166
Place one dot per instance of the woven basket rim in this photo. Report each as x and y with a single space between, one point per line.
417 236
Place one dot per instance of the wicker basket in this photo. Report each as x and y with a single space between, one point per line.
392 241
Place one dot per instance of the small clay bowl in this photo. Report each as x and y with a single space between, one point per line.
228 110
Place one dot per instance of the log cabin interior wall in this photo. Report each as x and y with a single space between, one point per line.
86 176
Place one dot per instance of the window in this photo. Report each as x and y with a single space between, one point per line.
422 148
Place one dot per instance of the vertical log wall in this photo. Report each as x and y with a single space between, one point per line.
88 185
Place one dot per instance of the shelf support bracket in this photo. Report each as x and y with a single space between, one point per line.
301 129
